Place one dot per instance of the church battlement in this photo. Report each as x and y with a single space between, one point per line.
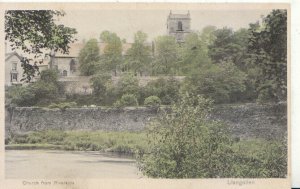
179 25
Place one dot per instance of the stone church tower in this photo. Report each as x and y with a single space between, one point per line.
179 25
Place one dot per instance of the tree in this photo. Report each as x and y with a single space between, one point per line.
193 54
99 84
139 55
128 84
217 82
112 55
42 92
166 89
89 58
184 144
229 46
268 47
35 33
166 55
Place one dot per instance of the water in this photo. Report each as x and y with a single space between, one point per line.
49 164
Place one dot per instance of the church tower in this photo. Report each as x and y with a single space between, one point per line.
179 25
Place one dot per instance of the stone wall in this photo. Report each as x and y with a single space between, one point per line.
247 120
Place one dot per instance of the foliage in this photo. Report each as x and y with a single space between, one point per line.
128 84
21 96
126 100
89 57
152 101
42 92
139 55
218 82
184 144
193 54
166 55
121 142
268 47
112 55
36 34
166 89
99 84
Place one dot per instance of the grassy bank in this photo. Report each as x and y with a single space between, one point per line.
121 142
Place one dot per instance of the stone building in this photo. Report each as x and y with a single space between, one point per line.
14 70
179 25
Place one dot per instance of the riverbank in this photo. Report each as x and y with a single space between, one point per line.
119 142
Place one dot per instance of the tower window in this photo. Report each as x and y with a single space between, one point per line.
179 26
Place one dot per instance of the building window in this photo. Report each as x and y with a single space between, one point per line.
14 66
13 77
179 26
72 66
65 73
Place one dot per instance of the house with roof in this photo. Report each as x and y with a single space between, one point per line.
14 70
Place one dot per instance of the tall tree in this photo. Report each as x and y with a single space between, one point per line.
166 55
268 47
139 55
36 34
112 55
193 54
89 57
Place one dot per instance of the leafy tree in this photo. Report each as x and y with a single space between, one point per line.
139 55
230 46
217 82
35 33
193 54
127 100
89 58
166 89
128 84
100 83
207 36
268 47
112 55
42 92
184 144
166 55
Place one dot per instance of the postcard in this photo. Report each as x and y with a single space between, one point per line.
131 95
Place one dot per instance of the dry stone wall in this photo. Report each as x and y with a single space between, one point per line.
246 120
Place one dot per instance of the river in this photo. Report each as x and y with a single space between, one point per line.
50 164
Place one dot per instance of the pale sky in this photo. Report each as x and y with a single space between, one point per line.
125 23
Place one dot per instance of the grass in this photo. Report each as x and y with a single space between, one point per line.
121 142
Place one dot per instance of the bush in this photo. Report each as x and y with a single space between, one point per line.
152 101
127 100
217 82
184 144
165 89
128 84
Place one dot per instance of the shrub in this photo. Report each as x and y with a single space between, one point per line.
184 144
166 89
152 101
127 100
128 84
